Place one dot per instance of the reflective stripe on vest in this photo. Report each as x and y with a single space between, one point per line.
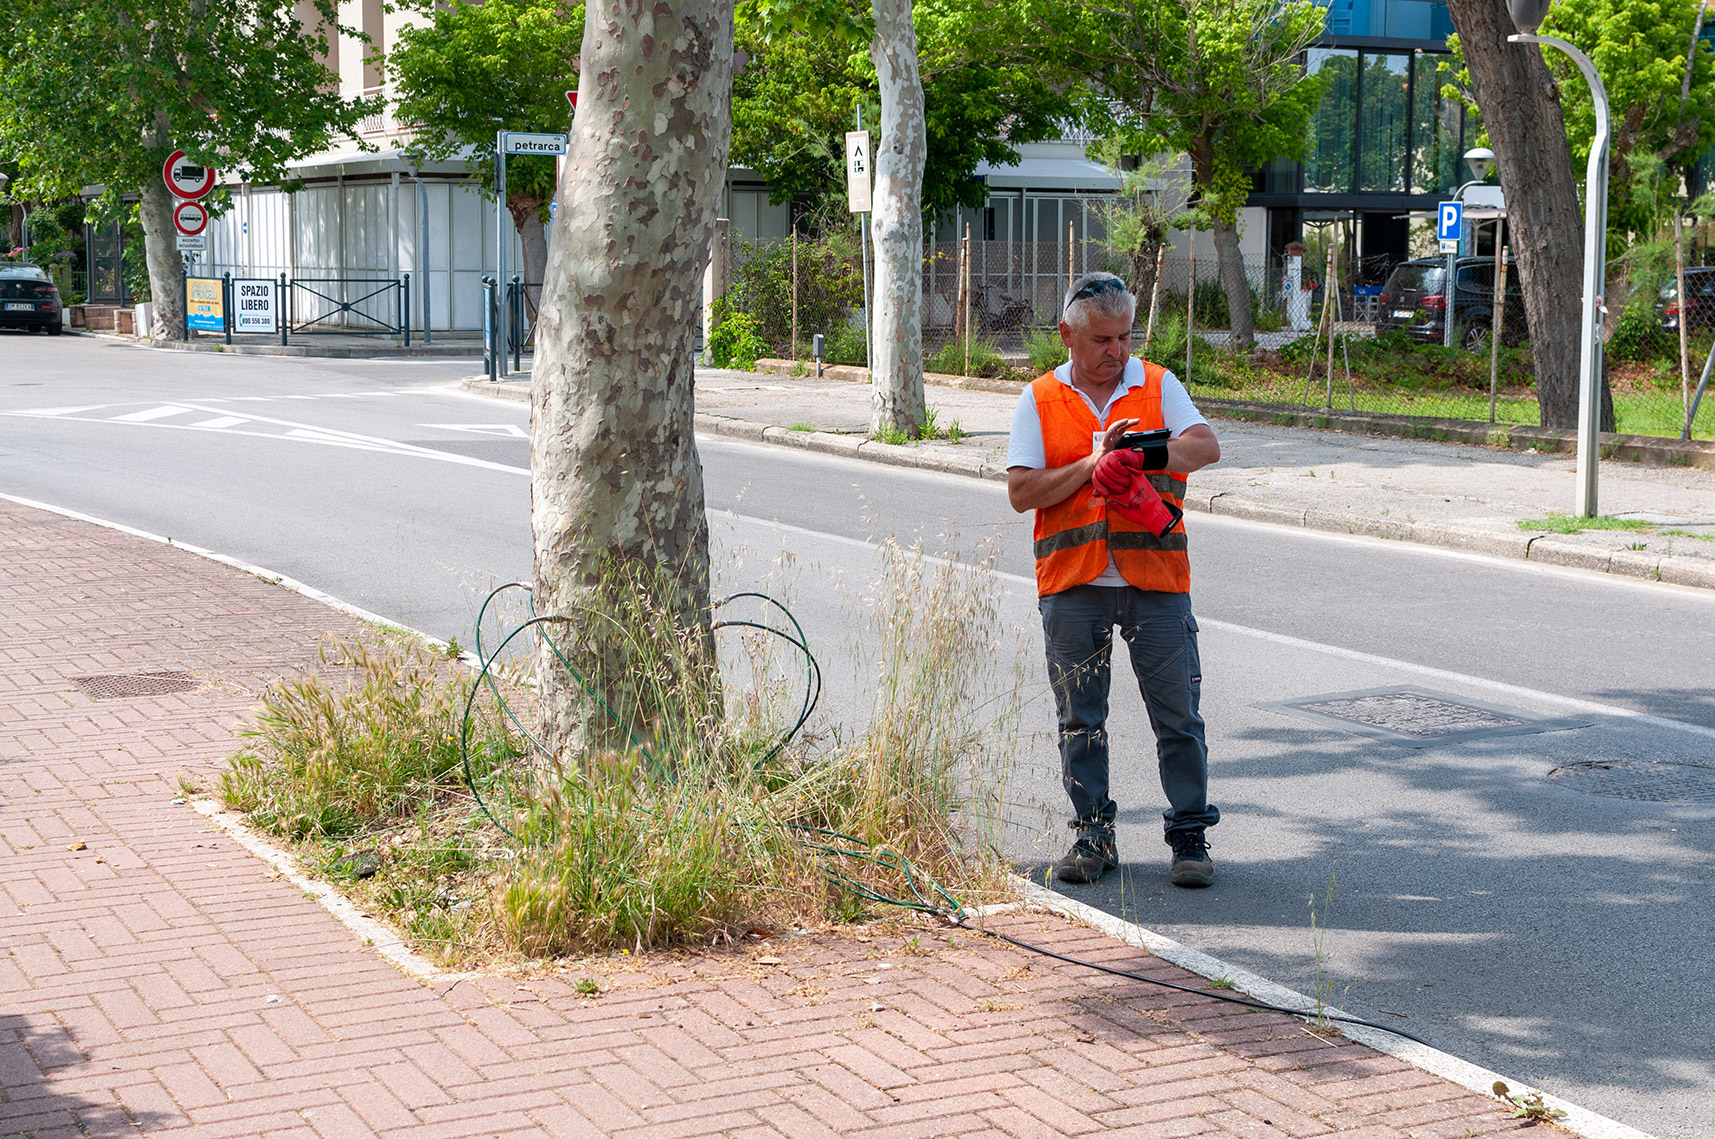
1075 538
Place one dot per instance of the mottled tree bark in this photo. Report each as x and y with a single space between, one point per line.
1230 261
166 264
615 477
161 254
1520 102
526 212
896 369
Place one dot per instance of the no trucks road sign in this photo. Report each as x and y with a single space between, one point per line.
185 178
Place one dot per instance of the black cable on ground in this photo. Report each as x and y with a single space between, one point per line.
485 676
951 911
1246 1002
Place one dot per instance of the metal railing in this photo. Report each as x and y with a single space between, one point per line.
382 308
522 313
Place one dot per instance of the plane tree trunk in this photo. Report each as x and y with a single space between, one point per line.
896 368
1520 102
616 483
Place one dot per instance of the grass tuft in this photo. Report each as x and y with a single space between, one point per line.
1558 523
688 826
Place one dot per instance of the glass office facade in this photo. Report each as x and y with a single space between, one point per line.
1383 141
1383 125
1393 19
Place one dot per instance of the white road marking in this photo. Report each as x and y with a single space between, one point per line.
151 414
313 436
221 421
1500 688
509 430
61 410
300 432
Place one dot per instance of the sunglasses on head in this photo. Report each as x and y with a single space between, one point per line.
1103 285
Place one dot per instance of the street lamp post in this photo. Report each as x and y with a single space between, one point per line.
1481 160
1528 16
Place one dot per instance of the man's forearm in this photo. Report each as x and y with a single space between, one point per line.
1038 489
1195 448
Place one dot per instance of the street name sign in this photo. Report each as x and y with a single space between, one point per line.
516 142
255 305
185 178
190 218
857 172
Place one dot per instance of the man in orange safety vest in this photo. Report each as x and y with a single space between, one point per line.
1111 551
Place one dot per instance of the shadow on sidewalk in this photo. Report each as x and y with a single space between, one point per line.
30 1056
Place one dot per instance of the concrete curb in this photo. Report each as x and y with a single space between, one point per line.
1536 546
325 352
1471 1077
1503 436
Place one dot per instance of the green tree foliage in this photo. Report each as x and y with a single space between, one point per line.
102 91
801 83
1660 123
1220 81
475 68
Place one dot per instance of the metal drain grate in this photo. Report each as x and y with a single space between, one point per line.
1643 780
1416 717
116 687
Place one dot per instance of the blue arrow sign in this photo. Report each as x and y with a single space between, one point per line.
1450 221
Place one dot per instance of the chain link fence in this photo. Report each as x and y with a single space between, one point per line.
997 305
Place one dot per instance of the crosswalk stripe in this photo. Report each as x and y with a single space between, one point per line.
221 421
151 414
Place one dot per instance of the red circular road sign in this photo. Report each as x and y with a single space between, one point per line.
190 218
185 178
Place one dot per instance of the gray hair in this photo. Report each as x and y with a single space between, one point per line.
1109 302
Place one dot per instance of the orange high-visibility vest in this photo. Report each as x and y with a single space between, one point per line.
1074 538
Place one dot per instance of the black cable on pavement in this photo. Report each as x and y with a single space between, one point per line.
900 863
1262 1005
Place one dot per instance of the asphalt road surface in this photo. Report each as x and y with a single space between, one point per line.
1511 918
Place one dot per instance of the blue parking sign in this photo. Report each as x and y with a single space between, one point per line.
1450 221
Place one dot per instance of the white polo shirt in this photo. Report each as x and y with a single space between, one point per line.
1025 447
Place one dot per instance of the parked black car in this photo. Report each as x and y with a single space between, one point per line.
28 298
1699 306
1414 301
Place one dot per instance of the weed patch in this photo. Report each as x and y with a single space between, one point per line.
699 827
1558 523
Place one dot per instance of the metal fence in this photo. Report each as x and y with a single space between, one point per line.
1008 294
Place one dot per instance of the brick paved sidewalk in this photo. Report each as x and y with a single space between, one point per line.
156 978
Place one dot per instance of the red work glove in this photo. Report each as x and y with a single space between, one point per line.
1114 473
1142 505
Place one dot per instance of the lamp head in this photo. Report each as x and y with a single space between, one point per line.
1481 160
1528 15
4 182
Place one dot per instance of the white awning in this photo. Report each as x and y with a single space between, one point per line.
1070 175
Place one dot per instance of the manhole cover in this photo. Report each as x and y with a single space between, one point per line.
135 684
1416 717
1645 780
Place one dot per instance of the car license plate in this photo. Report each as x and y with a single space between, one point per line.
1402 314
13 306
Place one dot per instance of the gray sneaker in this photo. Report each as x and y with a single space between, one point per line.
1192 866
1087 861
